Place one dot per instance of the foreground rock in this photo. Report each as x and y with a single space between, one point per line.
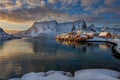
89 74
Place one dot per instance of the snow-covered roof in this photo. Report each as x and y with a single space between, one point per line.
104 33
64 34
83 35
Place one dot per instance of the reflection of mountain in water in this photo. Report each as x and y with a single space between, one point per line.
41 46
29 55
105 46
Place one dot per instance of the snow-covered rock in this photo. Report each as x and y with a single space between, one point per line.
52 72
50 75
97 74
112 30
93 28
117 48
83 25
88 74
15 79
58 76
61 72
33 76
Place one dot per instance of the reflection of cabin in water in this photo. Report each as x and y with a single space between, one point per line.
105 34
104 46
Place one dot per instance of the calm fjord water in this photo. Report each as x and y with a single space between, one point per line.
21 56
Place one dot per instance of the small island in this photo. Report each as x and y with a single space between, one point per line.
84 36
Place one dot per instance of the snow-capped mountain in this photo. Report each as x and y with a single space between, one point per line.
41 29
93 28
112 30
5 36
83 25
52 28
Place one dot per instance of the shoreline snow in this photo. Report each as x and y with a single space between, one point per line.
117 47
113 41
88 74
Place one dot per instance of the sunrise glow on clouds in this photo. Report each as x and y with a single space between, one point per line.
21 14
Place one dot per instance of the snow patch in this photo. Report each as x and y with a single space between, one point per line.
33 76
88 74
97 74
15 79
117 48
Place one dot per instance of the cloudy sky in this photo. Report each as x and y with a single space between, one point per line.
21 14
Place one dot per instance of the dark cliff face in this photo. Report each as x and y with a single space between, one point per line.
84 26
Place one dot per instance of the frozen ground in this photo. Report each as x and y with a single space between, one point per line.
88 74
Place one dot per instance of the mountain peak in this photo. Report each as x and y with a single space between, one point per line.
83 21
83 25
93 28
92 25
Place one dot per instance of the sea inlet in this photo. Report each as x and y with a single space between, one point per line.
21 56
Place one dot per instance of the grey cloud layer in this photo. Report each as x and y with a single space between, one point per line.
39 10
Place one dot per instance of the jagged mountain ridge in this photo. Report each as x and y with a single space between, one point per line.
112 30
53 28
93 28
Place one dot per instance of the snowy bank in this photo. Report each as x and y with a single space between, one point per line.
115 41
50 75
88 74
96 74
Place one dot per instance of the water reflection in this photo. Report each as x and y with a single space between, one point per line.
13 48
105 46
84 45
26 55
